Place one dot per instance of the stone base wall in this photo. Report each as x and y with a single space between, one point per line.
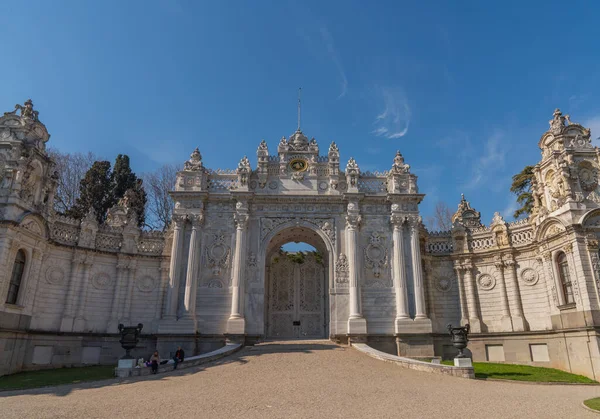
575 351
23 351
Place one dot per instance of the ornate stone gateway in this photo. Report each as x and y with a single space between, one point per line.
296 299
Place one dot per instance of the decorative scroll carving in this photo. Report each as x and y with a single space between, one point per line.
341 270
217 253
376 254
33 227
326 225
252 268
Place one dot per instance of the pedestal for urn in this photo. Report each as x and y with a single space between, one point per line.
459 340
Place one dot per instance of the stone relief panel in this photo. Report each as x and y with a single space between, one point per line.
341 271
375 244
217 259
252 268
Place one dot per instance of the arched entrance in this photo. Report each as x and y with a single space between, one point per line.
296 287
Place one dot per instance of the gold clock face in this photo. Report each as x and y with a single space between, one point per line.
298 165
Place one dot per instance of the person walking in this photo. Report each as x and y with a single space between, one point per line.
155 359
179 354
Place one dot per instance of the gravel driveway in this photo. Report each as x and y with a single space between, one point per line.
293 379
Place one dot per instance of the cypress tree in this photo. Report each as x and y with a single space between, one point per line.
95 192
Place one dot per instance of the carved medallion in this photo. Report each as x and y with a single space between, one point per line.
55 275
444 283
529 276
101 281
273 185
298 165
146 283
486 282
323 186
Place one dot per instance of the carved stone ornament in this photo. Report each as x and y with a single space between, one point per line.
376 254
146 283
443 283
101 281
399 167
554 230
32 226
194 164
217 253
55 275
326 225
486 282
341 270
529 276
27 111
252 268
588 177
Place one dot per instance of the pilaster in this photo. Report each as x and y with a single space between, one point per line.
402 313
236 325
518 319
357 324
474 319
506 321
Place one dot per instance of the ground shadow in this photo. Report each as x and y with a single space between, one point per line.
241 357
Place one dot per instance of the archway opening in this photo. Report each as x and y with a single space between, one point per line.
296 285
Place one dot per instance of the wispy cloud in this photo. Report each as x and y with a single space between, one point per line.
334 56
490 162
394 120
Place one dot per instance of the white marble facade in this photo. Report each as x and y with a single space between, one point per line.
384 278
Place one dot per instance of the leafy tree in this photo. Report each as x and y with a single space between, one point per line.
94 192
521 186
122 177
102 188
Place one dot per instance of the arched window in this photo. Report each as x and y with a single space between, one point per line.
565 278
16 277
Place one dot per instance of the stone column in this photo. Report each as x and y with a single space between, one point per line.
66 324
174 269
131 267
506 321
474 320
464 315
116 307
415 250
518 319
189 301
79 323
236 325
399 271
162 285
357 325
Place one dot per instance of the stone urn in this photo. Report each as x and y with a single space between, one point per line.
459 338
129 338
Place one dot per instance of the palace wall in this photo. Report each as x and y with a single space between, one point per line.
530 289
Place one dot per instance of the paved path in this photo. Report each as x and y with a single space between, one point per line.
299 380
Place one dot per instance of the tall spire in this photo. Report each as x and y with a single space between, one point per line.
299 91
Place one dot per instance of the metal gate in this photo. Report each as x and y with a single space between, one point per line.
296 306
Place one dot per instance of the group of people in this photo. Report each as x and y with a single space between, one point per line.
155 359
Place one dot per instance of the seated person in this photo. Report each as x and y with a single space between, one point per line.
179 354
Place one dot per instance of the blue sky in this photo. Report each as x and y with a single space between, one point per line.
464 89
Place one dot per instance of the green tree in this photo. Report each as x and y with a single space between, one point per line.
94 192
102 188
122 177
521 186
